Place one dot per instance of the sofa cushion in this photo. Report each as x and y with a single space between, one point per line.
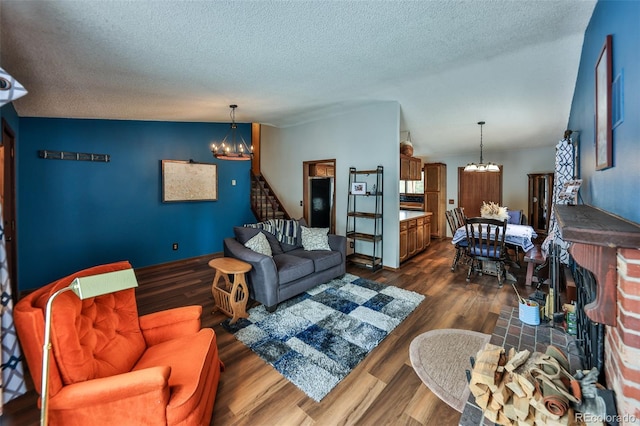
291 268
244 234
259 244
321 259
190 358
315 238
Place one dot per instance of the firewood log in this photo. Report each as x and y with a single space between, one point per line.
515 387
478 389
502 393
521 406
517 360
483 400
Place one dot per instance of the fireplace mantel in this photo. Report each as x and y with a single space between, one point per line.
596 236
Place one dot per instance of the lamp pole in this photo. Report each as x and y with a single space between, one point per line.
46 353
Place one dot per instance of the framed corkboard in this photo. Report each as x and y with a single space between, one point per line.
189 181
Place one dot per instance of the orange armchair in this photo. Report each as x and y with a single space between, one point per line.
110 366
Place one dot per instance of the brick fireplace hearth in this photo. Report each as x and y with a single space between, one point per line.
622 342
609 247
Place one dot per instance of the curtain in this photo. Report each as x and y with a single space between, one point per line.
564 172
12 382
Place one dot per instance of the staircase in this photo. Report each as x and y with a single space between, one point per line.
264 202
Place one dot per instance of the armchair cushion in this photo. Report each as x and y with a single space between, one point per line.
169 324
119 396
189 357
95 337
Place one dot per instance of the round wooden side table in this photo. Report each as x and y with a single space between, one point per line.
230 296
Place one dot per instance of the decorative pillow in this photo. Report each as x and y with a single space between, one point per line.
259 244
315 238
244 234
298 242
493 211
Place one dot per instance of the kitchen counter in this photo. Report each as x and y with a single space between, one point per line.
415 232
411 214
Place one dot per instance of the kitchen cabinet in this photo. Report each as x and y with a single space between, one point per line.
410 168
403 241
415 233
411 237
419 234
323 170
435 197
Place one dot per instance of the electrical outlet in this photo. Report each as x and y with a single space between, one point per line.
300 203
175 246
451 201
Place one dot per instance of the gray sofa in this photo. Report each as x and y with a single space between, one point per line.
290 270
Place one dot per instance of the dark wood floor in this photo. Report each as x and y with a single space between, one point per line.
383 389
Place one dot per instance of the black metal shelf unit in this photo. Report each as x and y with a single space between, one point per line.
364 217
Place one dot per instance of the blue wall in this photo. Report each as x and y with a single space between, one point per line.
75 214
614 189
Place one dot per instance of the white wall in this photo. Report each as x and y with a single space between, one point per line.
362 138
516 165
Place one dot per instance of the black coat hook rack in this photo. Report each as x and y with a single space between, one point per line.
77 156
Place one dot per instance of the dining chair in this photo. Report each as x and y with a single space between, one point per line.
460 217
485 240
516 217
461 247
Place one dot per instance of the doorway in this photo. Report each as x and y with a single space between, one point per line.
8 200
319 194
320 207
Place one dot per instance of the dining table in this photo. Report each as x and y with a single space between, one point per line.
516 235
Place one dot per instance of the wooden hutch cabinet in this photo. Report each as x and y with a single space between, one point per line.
540 201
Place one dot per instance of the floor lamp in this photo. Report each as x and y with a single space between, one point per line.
84 288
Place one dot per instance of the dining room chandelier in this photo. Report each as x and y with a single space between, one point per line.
481 166
233 146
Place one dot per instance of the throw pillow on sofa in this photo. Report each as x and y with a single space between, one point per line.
244 234
315 238
259 244
282 231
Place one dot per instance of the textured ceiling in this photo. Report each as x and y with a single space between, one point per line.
448 63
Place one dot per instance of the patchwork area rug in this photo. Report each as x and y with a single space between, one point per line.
441 357
315 339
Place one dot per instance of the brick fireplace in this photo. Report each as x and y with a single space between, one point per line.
622 343
609 247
